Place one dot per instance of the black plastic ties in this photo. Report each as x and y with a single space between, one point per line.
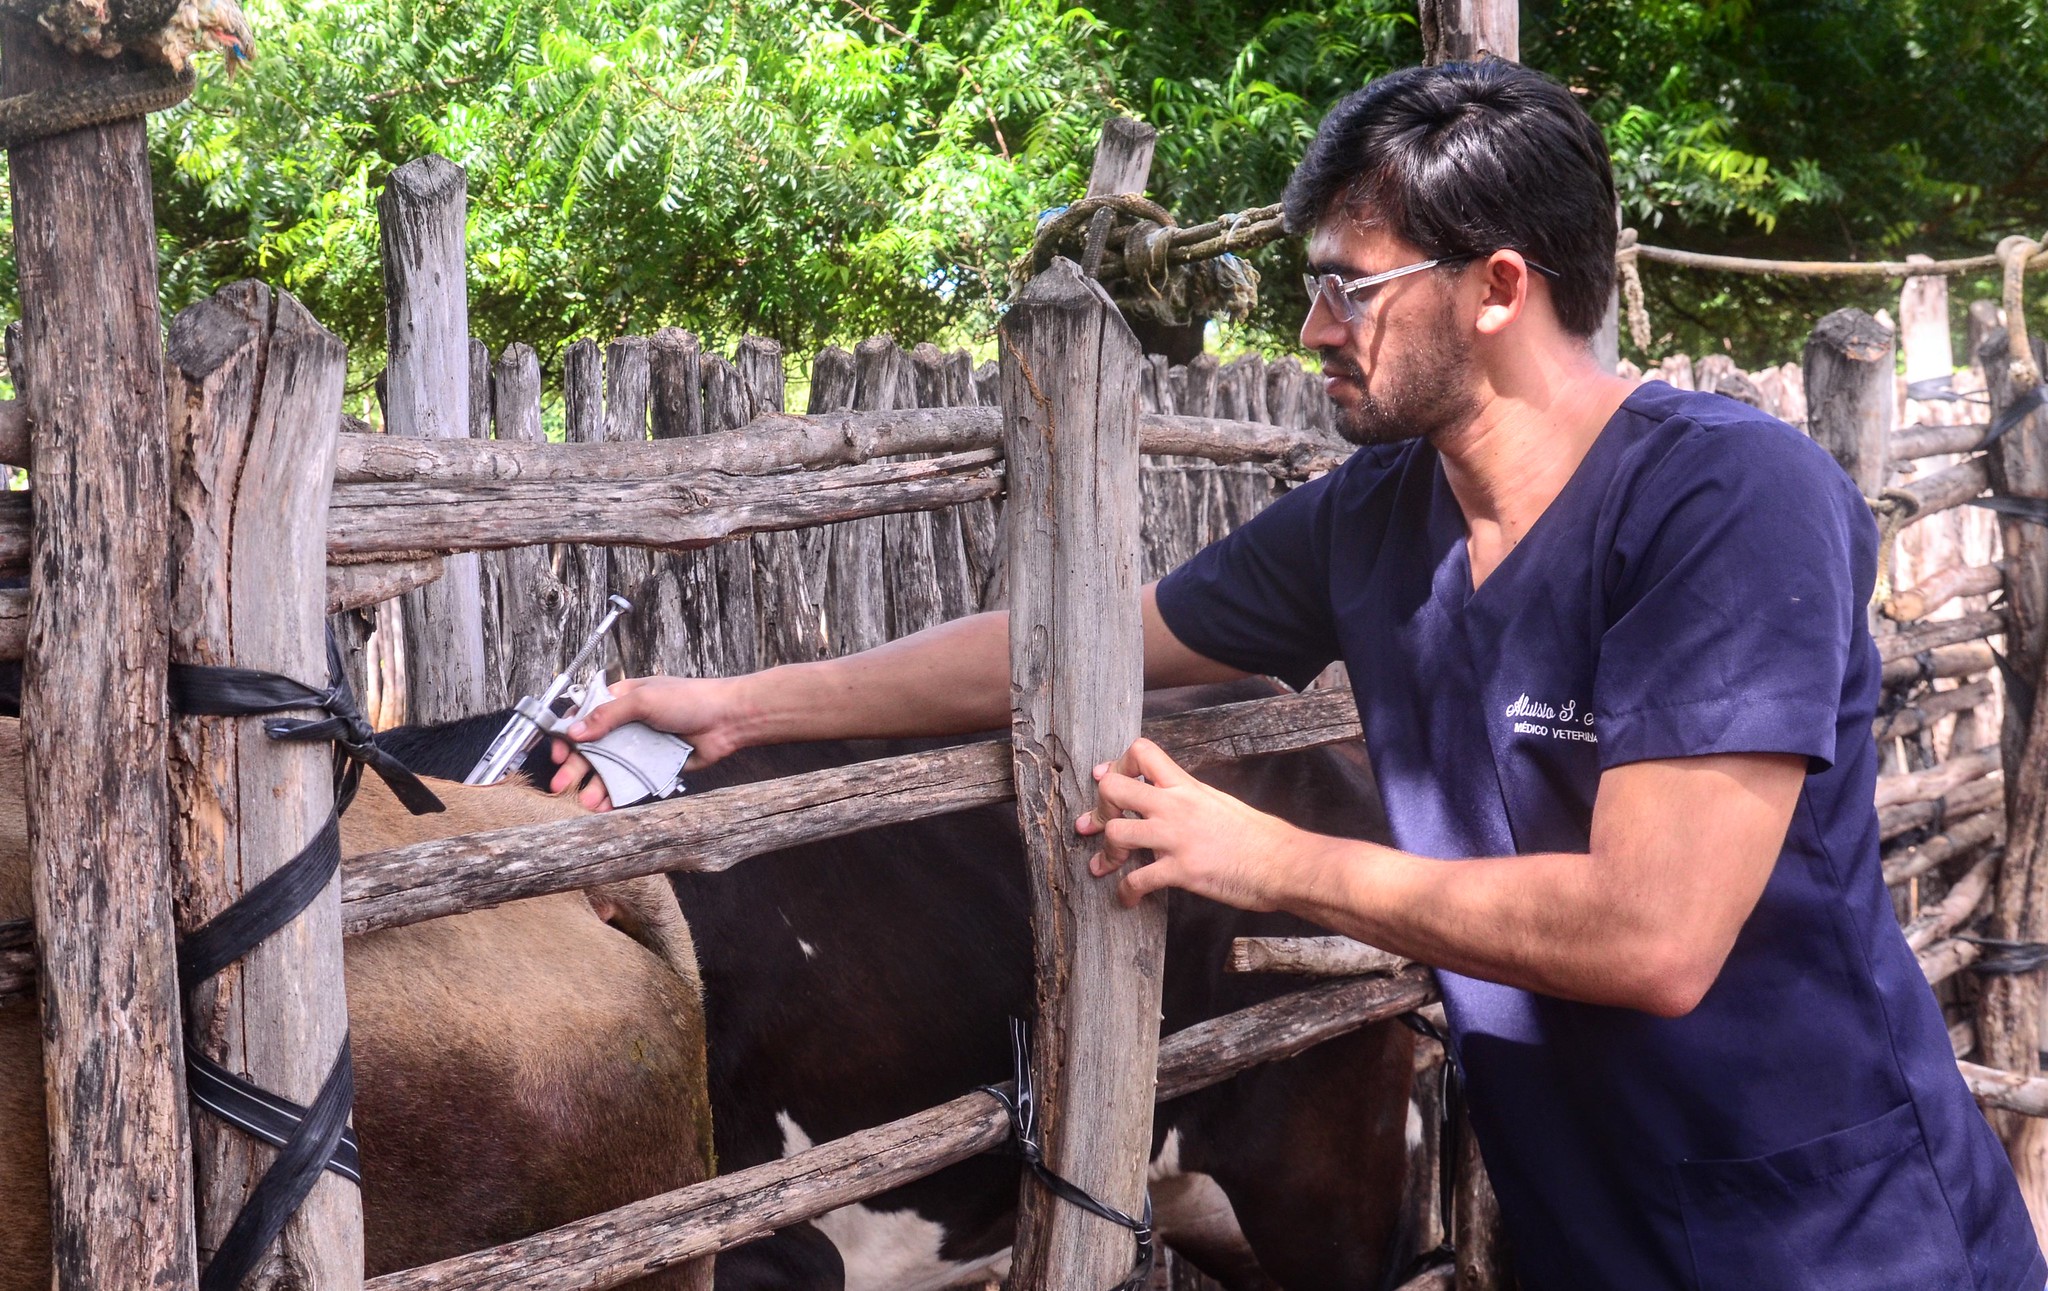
1023 1109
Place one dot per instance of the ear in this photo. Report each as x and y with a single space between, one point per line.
1505 293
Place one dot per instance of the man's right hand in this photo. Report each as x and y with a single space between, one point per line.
704 711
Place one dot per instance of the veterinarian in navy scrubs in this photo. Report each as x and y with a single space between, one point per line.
1610 649
1611 653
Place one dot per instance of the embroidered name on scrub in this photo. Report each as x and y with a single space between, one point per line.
1574 721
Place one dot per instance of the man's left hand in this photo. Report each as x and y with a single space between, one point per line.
1201 838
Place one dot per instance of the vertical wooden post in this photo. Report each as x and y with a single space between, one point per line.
531 600
93 691
2009 1011
1850 398
732 561
1463 31
785 598
685 611
1923 326
256 385
421 213
857 608
1070 433
952 573
585 568
1984 318
1123 157
628 375
833 381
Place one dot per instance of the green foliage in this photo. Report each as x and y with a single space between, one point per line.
820 170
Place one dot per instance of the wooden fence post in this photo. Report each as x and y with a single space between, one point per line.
628 376
732 561
256 385
832 385
1070 433
1923 326
1462 31
530 601
2009 1010
785 599
1850 399
93 690
857 605
685 611
421 211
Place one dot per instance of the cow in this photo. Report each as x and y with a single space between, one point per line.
516 1068
857 980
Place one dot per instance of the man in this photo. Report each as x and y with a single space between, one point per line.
1610 650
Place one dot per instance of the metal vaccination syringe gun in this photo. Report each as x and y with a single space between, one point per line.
636 762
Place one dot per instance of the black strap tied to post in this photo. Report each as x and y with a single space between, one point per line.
1023 1109
309 1140
211 691
2008 958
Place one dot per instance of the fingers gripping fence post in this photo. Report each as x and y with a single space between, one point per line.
93 698
256 389
1070 430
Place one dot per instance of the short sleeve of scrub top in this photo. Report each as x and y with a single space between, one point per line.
1259 600
1732 602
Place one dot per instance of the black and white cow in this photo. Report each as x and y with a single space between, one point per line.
862 979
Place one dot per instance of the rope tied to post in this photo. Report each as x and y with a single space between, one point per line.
309 1140
165 34
1023 1109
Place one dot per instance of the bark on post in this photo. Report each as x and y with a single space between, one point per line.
586 568
93 691
785 600
685 609
1849 394
1070 395
857 608
421 211
530 597
1463 31
631 570
257 384
833 381
1123 157
732 562
959 591
2009 1011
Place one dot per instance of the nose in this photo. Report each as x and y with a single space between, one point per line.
1322 329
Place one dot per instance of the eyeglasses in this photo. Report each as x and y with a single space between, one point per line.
1345 299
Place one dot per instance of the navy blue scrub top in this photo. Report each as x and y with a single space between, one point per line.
1699 586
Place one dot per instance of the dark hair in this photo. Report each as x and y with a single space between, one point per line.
1468 158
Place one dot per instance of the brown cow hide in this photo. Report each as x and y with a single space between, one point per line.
516 1068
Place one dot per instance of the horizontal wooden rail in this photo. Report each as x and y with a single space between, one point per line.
2027 1095
715 830
1916 442
767 445
1311 956
1929 709
349 587
1957 839
1907 642
1963 659
1966 799
1941 587
1829 268
643 1237
1947 489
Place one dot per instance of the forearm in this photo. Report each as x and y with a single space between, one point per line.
946 680
1553 923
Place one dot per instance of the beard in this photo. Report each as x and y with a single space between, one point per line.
1422 397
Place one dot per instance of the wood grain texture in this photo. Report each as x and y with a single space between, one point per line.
1464 31
788 615
833 381
1908 642
1941 587
586 567
631 571
684 613
1962 836
726 407
349 587
255 383
1070 411
1311 956
426 392
1849 400
528 601
1936 441
1929 709
611 1249
1949 487
857 602
93 691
